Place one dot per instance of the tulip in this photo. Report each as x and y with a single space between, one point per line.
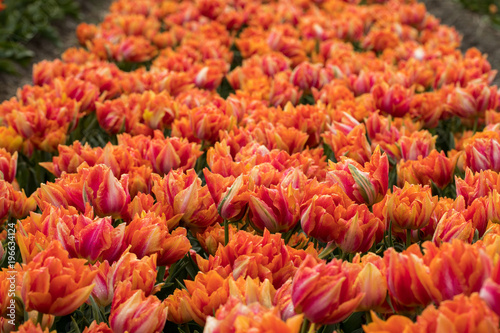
133 311
169 246
8 165
183 191
55 284
10 140
253 317
353 145
476 185
276 209
141 273
490 291
171 153
451 315
318 217
456 268
97 328
395 324
483 154
436 167
263 257
453 225
418 144
108 195
363 184
229 194
394 100
410 207
405 283
324 292
213 236
371 282
30 327
306 76
206 121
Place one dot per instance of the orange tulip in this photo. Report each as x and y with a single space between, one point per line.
324 292
395 324
418 144
462 314
318 218
483 153
371 282
8 165
278 208
363 184
263 257
410 207
169 246
394 100
436 167
133 311
252 317
183 191
453 225
210 291
206 121
55 284
230 194
97 328
213 236
405 283
476 185
490 291
141 273
30 327
353 145
456 268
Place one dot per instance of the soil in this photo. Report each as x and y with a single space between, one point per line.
91 11
476 30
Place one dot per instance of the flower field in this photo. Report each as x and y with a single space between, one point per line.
254 166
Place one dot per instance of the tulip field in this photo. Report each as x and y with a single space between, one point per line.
253 166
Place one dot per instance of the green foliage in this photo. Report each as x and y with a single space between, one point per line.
23 20
485 7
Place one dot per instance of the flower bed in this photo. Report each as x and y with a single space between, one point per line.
242 166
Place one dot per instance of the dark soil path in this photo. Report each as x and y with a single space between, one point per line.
475 29
92 11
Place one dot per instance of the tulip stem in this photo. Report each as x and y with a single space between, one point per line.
305 325
391 244
39 318
408 238
226 232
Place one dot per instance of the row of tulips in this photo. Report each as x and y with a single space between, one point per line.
235 166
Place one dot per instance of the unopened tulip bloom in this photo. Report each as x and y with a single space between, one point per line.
371 282
55 284
8 165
